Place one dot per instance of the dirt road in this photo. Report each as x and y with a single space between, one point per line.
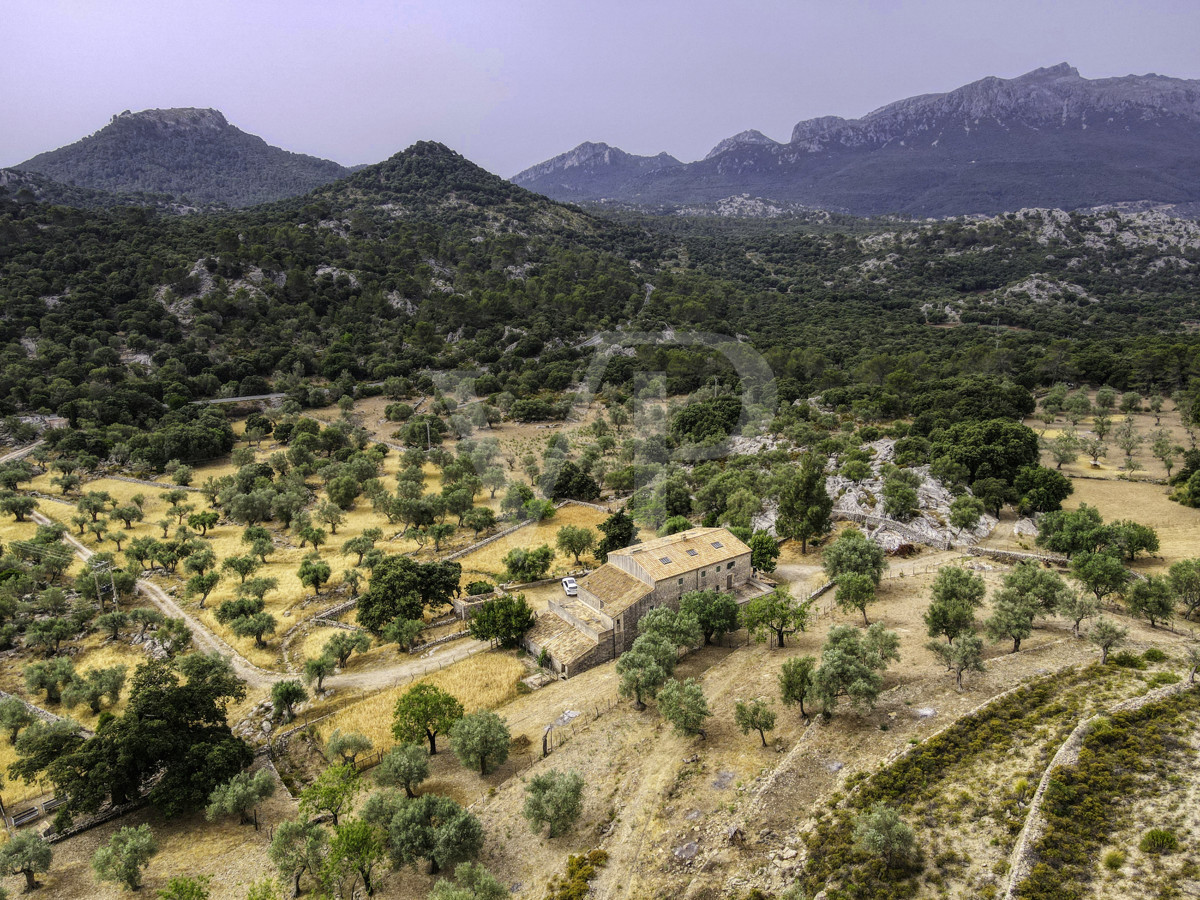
20 452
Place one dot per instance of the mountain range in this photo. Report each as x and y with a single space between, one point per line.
192 154
1049 138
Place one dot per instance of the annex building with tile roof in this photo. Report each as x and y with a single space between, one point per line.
601 622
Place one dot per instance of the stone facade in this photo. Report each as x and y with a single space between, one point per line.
603 618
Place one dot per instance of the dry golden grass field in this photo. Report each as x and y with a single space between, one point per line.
483 681
488 561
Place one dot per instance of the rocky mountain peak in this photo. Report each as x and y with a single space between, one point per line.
752 136
812 128
1046 73
597 160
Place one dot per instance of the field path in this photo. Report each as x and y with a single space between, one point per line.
20 452
258 677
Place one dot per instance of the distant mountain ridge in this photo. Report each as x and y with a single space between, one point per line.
593 167
1049 138
187 153
745 137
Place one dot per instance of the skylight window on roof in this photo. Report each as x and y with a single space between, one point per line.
665 560
718 545
693 553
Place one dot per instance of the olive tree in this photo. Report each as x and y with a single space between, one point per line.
240 796
1107 634
756 715
406 766
852 665
480 740
125 855
26 854
425 711
553 798
684 706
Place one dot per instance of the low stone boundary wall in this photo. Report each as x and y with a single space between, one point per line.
99 819
511 528
1015 556
335 611
495 537
153 484
334 623
595 506
44 714
825 588
444 639
1021 862
51 497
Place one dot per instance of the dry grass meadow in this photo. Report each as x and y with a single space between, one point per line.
483 681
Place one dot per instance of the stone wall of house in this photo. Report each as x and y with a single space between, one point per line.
716 576
602 654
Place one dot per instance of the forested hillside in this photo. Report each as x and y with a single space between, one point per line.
426 261
192 154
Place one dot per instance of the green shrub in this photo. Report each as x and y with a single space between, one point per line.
1158 679
1113 860
1159 840
1154 655
1127 660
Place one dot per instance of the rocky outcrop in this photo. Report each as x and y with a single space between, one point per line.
862 502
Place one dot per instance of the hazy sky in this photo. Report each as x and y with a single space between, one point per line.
509 83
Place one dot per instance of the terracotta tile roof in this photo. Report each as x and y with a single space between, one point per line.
564 642
617 589
686 551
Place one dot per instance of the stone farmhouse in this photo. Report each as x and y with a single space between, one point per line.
601 622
